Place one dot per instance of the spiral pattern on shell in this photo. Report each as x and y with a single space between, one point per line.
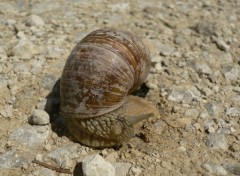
103 68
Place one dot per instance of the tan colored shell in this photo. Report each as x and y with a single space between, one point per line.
101 71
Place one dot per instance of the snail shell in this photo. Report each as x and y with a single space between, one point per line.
100 73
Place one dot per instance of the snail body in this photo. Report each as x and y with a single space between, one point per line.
100 73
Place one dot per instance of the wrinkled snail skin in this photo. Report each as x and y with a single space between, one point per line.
112 129
105 131
100 73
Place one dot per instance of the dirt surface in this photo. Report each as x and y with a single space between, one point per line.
194 82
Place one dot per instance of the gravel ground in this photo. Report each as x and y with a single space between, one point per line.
194 82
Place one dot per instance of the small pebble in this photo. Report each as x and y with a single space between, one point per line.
158 67
159 126
112 157
203 68
95 165
212 108
39 157
104 152
7 112
175 109
48 147
180 95
166 164
220 43
235 147
39 117
122 169
203 115
165 50
231 72
197 126
208 123
34 20
67 164
136 170
216 140
182 149
211 130
232 130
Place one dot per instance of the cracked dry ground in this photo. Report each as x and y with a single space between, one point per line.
194 82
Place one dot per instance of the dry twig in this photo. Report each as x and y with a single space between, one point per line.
66 171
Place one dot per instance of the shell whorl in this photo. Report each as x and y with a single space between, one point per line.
103 68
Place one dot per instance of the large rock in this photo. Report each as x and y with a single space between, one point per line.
32 136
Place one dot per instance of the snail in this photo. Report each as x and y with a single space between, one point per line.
97 80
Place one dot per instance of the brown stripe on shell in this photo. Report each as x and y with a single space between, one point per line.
126 44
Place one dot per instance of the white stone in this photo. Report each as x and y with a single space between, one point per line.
136 170
21 35
204 115
39 157
67 164
95 165
48 147
122 169
220 43
112 157
158 67
211 130
182 149
34 20
39 117
25 49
